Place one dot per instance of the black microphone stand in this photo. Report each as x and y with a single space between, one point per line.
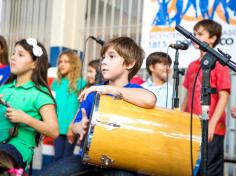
208 62
177 71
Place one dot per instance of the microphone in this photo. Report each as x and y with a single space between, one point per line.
183 31
180 45
203 45
99 41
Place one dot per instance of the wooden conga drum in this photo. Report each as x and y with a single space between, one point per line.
149 141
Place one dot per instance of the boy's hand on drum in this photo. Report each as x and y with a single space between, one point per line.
81 127
105 89
83 95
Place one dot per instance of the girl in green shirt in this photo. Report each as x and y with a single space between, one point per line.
30 105
67 87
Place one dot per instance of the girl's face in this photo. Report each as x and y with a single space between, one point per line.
91 75
21 62
64 65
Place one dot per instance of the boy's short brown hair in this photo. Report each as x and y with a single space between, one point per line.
128 49
212 27
157 57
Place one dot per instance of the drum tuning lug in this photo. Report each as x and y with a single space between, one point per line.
110 124
106 160
114 125
86 158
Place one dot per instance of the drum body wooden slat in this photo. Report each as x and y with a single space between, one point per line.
150 141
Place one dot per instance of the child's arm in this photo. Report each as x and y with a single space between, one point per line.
185 102
80 128
71 132
48 126
219 109
70 135
138 96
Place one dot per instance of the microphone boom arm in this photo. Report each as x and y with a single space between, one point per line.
205 47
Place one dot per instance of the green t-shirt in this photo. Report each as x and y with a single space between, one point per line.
28 99
67 102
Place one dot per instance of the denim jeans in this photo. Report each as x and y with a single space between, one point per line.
62 147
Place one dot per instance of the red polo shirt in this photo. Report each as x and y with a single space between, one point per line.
219 79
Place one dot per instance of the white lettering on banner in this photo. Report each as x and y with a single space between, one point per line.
226 41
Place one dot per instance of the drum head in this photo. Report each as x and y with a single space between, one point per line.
92 123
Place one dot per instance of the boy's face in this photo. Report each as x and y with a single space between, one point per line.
203 35
160 71
113 67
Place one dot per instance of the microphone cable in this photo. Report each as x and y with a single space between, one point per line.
191 113
167 80
173 93
81 77
191 120
83 56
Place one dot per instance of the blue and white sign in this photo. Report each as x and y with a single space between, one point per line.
161 16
